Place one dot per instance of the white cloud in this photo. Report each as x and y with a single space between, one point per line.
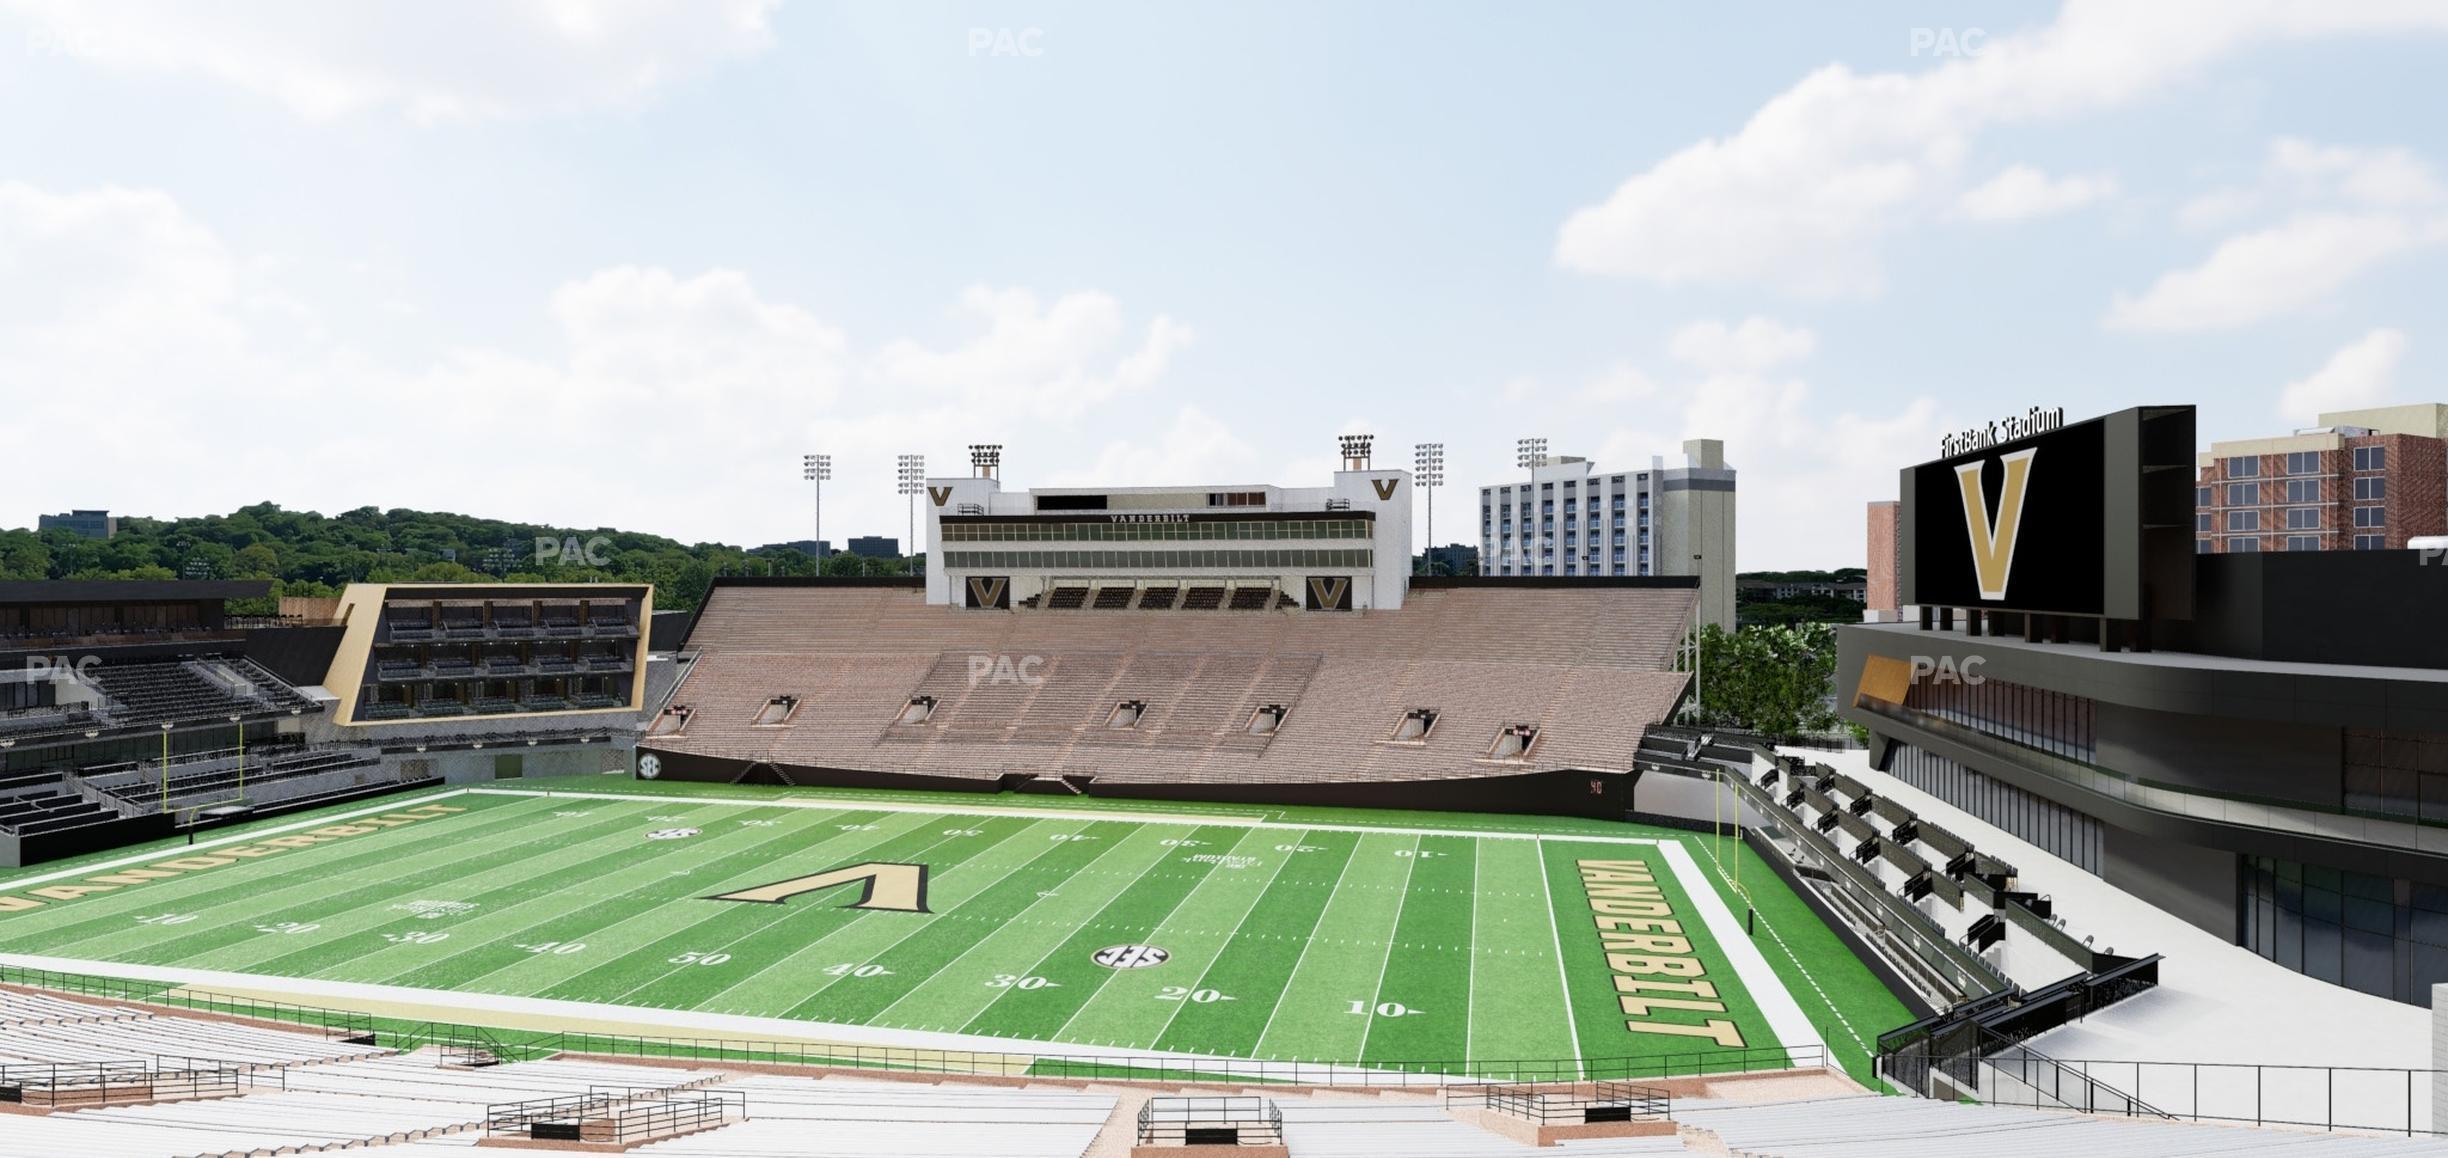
1800 197
2021 192
655 401
2358 375
2269 272
1755 345
2383 177
1196 448
430 60
1047 360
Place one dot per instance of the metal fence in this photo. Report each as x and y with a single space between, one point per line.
615 1115
94 1083
1123 1067
2368 1098
1577 1104
1236 1120
347 1025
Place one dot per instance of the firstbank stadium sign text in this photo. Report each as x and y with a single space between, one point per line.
2036 420
1149 518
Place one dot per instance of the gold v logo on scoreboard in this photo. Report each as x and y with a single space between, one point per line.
941 495
1385 488
1993 540
886 887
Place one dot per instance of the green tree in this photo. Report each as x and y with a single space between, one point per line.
1771 679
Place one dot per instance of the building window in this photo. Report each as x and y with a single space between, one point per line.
2243 520
2202 547
2370 542
2243 494
2201 496
2375 934
2244 467
2371 458
2201 521
2240 546
2303 490
2303 462
2303 543
2371 490
2303 519
2371 516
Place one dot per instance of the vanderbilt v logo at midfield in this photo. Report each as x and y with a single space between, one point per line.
1993 539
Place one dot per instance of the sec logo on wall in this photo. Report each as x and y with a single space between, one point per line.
649 767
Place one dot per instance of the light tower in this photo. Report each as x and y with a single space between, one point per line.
913 480
1428 473
816 469
1355 449
1530 453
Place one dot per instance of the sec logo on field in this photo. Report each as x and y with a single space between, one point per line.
671 834
1131 957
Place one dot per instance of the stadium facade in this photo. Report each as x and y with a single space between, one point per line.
135 710
2190 727
1240 642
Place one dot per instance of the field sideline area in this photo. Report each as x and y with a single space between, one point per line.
1383 939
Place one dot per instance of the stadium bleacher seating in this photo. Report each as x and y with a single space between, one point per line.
1066 598
1159 598
792 1117
1112 598
1202 599
1251 598
1587 669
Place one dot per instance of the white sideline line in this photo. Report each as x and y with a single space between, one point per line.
686 1024
1776 1003
250 836
1065 814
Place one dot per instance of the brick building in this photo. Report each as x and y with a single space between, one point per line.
2361 480
1880 602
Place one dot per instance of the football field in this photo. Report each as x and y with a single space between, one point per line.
1249 935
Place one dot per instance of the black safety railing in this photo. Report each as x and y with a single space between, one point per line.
96 1083
617 1115
1234 1120
2358 1098
345 1024
1578 1104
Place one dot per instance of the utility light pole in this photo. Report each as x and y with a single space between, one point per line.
816 468
913 480
1428 471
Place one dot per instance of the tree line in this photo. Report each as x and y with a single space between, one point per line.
311 555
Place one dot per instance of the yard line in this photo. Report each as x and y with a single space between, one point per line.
1470 960
1377 991
761 928
1304 953
626 913
1092 918
1572 1029
250 835
1208 969
916 928
1158 928
1143 829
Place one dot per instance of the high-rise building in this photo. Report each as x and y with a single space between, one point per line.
1571 519
91 524
2361 480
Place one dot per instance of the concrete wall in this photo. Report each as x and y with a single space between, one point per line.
2194 884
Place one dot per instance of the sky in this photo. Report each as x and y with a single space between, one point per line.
622 264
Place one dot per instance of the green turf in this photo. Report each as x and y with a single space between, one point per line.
1295 940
